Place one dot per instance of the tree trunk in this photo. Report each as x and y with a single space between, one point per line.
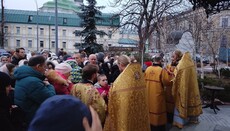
2 27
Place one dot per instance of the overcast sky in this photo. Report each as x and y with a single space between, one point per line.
31 4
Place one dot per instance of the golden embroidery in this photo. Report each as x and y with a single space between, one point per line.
128 107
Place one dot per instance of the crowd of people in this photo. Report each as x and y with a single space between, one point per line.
96 92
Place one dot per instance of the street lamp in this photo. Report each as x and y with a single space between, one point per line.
37 24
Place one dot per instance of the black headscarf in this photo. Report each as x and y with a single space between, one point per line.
5 81
5 104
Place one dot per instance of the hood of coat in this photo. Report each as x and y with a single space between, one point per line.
26 71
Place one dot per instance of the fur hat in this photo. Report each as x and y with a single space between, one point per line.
60 113
23 62
63 68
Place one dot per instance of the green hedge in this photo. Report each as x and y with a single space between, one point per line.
225 72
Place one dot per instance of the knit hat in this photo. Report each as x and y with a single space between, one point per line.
100 56
60 113
63 68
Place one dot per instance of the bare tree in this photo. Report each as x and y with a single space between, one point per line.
142 15
189 24
214 38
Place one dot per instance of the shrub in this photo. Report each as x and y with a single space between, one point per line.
225 72
222 95
146 57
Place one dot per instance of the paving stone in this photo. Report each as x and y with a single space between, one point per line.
209 121
221 128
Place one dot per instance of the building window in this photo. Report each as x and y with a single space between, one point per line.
99 21
30 43
110 34
6 43
18 30
41 31
64 20
64 32
42 44
64 44
18 43
29 30
225 22
101 36
6 29
30 18
53 31
53 44
224 41
77 44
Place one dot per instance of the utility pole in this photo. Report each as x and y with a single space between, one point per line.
37 26
2 26
56 27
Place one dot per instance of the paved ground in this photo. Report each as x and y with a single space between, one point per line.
209 121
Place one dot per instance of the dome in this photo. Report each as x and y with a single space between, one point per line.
63 5
78 1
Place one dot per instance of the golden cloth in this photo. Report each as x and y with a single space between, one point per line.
167 76
156 96
90 96
185 88
128 106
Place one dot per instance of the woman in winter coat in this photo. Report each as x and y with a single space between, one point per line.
5 103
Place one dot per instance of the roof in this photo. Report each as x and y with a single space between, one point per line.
48 18
63 4
176 35
127 41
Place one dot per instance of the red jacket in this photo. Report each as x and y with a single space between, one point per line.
106 89
60 88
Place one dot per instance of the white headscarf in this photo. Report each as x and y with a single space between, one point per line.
4 69
63 68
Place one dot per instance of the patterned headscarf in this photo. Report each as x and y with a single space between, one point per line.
76 73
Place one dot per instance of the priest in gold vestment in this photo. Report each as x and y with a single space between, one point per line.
167 77
156 95
186 92
128 107
89 95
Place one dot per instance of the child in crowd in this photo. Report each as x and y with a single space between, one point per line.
102 86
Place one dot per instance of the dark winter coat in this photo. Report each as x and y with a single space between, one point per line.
30 90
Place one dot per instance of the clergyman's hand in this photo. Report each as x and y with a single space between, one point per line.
96 123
